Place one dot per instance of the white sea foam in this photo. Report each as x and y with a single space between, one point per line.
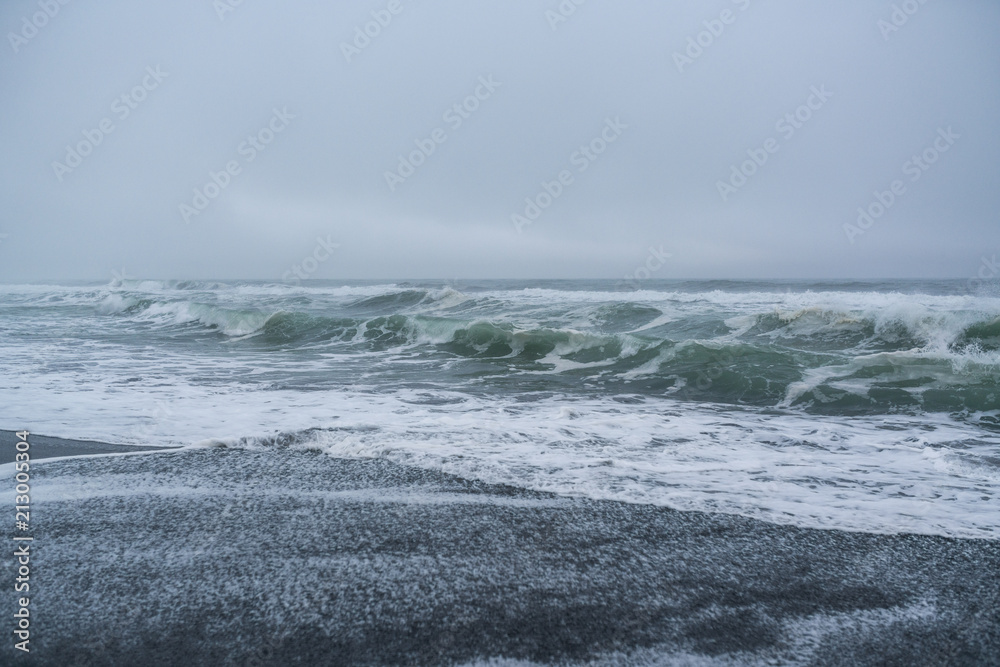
83 362
879 474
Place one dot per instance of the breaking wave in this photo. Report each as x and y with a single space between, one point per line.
886 353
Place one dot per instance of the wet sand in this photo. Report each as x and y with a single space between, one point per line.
216 556
43 447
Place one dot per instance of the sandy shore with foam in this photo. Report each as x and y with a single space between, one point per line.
217 556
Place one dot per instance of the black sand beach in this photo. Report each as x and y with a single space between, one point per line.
274 557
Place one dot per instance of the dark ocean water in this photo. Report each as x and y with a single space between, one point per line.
861 405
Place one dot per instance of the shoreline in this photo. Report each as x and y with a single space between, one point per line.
226 556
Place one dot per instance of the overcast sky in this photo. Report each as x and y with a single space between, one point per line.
870 89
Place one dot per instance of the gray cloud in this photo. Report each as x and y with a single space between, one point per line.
657 184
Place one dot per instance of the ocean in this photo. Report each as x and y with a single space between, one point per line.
860 406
